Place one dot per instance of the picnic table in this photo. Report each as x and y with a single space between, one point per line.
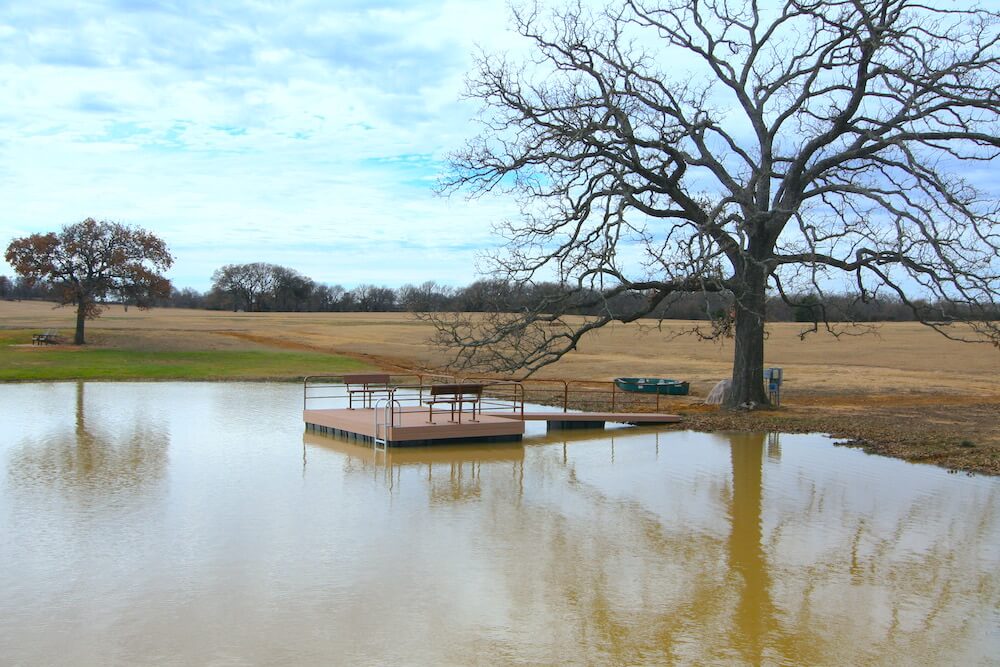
48 338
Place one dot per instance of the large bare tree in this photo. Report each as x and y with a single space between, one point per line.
90 261
724 147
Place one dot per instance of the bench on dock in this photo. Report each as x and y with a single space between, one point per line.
47 338
367 386
455 396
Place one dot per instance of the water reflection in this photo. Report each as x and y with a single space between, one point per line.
193 523
754 611
90 458
746 562
451 473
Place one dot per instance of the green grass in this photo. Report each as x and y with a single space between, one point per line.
52 363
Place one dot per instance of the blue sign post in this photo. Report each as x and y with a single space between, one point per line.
773 377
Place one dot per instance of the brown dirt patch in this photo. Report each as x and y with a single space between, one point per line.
957 434
270 341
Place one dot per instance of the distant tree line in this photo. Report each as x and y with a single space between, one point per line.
20 288
261 287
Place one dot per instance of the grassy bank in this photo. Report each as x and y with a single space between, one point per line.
21 362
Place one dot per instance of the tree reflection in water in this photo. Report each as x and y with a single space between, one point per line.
748 562
87 461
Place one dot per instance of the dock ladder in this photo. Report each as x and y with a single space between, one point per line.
387 409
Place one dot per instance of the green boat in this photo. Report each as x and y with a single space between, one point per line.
653 386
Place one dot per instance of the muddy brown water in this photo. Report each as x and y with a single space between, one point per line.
190 523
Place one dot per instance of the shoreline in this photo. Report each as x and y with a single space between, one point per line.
904 392
893 431
966 442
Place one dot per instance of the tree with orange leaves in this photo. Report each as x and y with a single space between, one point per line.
91 260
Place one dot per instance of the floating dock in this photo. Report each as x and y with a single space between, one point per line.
375 408
565 420
412 428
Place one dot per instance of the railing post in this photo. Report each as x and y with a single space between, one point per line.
614 388
565 396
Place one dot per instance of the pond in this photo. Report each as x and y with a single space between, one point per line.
196 523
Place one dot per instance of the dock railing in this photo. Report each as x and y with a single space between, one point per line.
328 391
409 391
324 391
590 396
500 395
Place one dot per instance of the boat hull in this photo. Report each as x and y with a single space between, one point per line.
653 386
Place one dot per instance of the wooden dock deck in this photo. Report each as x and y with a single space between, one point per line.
412 427
568 420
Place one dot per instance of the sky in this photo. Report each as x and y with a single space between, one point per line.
305 134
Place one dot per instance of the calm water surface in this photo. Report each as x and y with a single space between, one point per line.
190 524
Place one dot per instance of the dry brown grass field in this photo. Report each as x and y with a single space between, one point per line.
902 389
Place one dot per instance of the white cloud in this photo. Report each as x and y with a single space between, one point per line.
306 134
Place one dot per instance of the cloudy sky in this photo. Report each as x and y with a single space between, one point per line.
306 134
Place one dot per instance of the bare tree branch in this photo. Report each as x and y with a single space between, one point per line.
705 146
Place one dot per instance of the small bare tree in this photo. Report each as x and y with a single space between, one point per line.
90 260
715 146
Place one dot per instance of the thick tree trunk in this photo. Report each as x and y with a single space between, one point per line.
748 365
81 317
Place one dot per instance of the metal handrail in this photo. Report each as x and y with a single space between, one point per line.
336 382
517 399
319 387
388 408
563 383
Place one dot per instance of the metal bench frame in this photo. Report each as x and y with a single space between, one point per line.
455 395
368 386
